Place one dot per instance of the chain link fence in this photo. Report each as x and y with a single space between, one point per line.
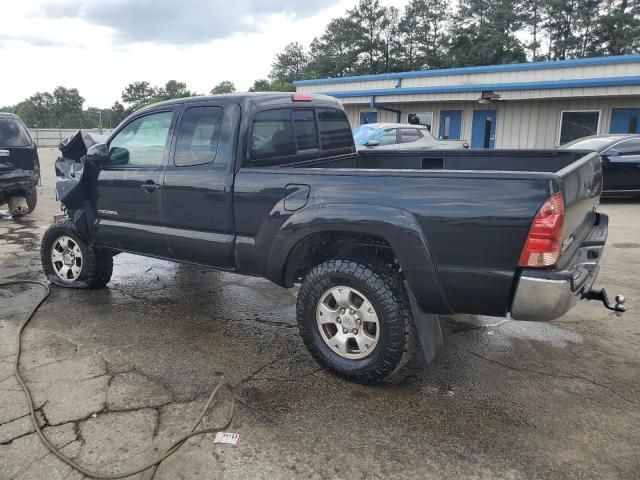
51 137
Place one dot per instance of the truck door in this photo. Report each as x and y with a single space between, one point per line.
129 189
198 184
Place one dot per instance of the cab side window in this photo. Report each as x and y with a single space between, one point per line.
142 142
198 136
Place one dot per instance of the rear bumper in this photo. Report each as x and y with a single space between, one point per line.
543 295
18 181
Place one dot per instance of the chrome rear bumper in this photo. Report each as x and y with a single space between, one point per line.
543 295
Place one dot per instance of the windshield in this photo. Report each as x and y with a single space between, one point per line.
596 144
12 133
364 133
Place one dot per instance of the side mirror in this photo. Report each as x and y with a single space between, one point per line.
118 156
372 143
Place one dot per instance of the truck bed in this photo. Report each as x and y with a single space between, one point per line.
550 161
474 209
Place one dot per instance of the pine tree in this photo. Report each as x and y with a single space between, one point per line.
484 33
290 65
618 30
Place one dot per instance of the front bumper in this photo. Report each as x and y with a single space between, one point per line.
543 295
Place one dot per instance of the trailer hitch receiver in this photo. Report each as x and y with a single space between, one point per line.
602 296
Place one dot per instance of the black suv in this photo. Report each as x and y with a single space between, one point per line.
19 166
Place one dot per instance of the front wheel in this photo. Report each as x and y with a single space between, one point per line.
69 262
355 320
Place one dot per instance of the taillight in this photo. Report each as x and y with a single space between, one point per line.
543 245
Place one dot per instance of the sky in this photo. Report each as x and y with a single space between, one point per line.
100 46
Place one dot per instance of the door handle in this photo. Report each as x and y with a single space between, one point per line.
149 186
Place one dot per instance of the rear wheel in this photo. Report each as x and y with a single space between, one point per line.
32 200
355 320
69 262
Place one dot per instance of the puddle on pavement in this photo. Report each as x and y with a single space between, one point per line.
626 245
501 332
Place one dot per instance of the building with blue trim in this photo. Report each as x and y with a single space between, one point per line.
528 105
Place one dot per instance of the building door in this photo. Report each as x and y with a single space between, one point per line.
368 117
450 124
483 129
625 120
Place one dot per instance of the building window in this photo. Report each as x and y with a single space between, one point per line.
578 124
424 118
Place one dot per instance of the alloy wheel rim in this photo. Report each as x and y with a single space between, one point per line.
348 322
66 258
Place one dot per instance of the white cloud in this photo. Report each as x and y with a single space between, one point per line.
44 51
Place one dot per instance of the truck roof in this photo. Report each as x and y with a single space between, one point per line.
256 98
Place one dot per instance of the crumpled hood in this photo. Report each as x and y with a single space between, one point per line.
74 174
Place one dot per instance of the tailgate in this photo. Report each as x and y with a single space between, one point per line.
581 185
16 159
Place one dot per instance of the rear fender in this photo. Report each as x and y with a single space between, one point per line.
397 227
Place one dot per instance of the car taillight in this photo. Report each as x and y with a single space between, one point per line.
544 242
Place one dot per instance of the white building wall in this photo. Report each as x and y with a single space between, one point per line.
520 124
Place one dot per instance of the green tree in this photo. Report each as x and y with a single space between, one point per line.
484 33
428 40
532 23
334 54
138 94
223 87
618 29
290 65
571 27
67 108
263 85
407 46
372 21
172 89
118 113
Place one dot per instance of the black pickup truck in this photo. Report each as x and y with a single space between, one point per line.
381 242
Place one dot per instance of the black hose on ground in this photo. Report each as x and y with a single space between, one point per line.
151 466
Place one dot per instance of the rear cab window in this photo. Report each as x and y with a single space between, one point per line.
286 135
13 133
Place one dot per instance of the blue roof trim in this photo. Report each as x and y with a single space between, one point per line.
495 87
512 67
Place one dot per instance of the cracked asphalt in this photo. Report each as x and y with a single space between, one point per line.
120 373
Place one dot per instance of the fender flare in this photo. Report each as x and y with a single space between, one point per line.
397 227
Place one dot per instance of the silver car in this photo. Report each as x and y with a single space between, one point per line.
400 136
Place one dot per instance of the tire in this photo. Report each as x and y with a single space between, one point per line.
74 264
393 338
32 200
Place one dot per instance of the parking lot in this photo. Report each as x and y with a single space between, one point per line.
120 373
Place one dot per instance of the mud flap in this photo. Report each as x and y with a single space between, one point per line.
427 327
